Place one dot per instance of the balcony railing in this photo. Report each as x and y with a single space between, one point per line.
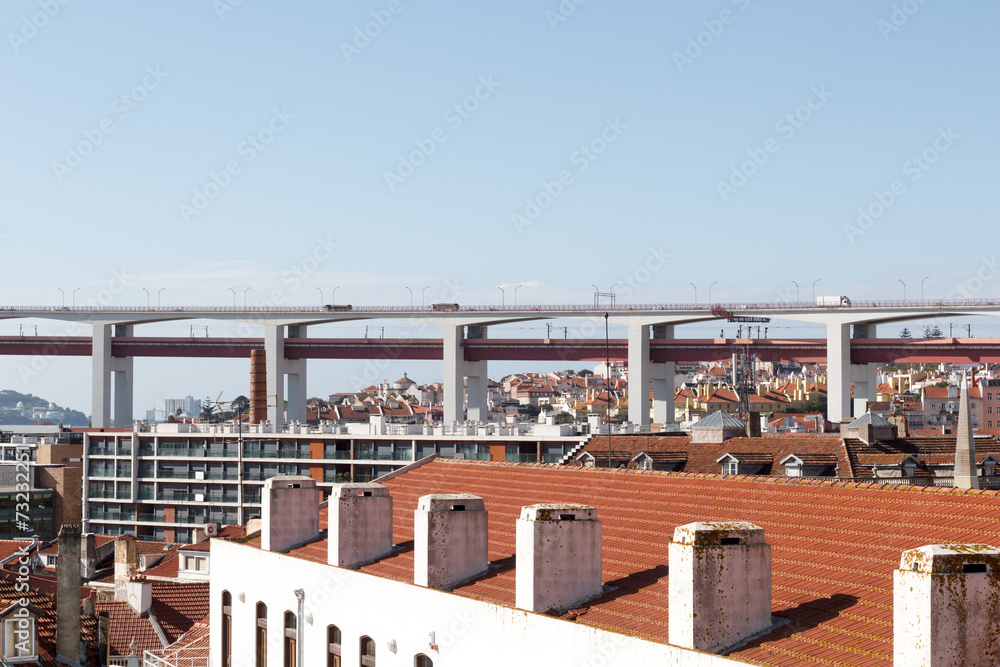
197 452
341 455
101 451
184 657
113 516
521 458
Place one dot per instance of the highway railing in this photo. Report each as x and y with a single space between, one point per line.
616 308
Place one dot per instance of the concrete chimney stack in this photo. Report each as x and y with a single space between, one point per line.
88 556
126 564
450 540
68 596
946 606
719 586
289 512
558 556
360 524
139 594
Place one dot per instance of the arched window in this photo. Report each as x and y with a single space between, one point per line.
290 639
421 660
333 646
367 652
227 629
261 634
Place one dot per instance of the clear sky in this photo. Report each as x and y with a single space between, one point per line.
198 147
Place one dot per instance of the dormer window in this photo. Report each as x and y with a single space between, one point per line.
195 564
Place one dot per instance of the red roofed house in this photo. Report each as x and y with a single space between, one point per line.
452 563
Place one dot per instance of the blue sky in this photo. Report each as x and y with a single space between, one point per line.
200 146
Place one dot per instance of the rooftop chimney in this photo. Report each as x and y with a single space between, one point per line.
126 564
68 596
139 594
258 386
289 512
360 519
946 600
450 540
88 556
720 585
966 474
558 556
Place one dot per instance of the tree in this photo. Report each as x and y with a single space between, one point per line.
208 410
240 404
905 333
564 418
584 373
545 407
932 331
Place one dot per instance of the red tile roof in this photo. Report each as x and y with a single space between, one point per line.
834 545
703 457
177 607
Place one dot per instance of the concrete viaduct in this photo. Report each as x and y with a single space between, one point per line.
650 328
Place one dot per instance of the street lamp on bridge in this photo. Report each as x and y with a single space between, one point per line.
904 287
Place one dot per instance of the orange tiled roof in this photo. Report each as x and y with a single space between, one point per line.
702 458
834 545
178 607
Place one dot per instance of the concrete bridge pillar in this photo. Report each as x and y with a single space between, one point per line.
838 371
642 372
477 387
663 381
456 369
454 373
109 373
277 368
864 376
296 371
639 373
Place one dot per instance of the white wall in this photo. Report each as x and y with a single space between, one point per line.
468 632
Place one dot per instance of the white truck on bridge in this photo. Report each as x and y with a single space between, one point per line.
832 301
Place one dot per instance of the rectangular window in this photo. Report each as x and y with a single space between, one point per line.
197 564
19 643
